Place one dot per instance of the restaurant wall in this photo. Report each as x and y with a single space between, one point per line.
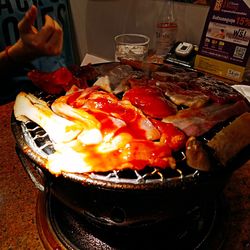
98 21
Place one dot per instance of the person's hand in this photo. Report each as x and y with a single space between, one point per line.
33 43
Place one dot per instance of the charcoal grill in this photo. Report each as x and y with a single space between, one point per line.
125 201
125 198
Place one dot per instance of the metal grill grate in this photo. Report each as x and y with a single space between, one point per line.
39 141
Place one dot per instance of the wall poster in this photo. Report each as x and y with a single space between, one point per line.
224 46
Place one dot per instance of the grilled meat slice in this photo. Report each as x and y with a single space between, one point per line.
181 96
59 129
197 121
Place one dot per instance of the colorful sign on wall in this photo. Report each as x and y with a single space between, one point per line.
224 47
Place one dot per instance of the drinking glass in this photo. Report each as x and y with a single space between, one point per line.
131 46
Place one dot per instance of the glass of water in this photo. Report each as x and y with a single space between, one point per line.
131 46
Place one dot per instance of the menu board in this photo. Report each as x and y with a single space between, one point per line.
224 46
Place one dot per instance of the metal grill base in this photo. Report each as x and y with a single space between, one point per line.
61 228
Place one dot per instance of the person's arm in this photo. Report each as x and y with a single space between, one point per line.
33 43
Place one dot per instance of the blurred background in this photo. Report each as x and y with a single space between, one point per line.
96 22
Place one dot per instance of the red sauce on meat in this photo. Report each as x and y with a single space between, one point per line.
151 101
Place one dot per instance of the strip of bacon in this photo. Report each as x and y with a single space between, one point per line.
197 121
181 96
172 74
217 91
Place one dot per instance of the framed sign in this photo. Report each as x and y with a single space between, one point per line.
224 46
